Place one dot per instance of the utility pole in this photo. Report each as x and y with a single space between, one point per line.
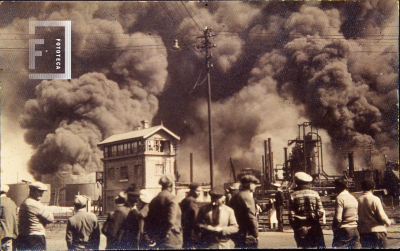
207 45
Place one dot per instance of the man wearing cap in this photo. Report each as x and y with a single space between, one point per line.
233 190
83 231
344 225
216 222
190 208
305 210
372 219
163 223
143 207
108 225
245 210
9 229
113 230
279 200
33 218
129 232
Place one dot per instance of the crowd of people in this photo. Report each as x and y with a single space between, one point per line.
228 221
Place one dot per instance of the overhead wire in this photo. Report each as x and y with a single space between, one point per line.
191 16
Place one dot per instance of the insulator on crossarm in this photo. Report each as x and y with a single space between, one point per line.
176 45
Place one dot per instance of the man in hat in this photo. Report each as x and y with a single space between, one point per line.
163 223
129 232
108 225
190 208
143 207
216 222
113 229
372 219
83 231
279 200
246 213
305 210
233 190
33 218
9 228
344 225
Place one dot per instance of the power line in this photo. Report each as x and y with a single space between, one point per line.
191 16
179 12
202 24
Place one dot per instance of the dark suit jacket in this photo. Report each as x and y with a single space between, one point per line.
113 224
9 227
164 220
83 231
245 211
190 208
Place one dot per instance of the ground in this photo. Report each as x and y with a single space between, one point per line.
267 240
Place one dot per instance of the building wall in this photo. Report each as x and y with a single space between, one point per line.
145 167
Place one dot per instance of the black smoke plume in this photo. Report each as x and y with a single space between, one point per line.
276 64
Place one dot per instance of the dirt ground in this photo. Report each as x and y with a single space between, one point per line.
267 240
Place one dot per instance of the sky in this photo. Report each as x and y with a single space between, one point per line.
275 65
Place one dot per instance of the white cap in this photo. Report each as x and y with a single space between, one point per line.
80 200
4 188
303 177
276 184
38 185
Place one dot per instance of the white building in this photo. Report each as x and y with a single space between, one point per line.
141 156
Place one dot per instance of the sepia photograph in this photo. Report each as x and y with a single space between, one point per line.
199 124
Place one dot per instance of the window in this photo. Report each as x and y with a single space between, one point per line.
160 169
114 150
120 149
141 147
157 146
124 172
110 173
151 145
135 147
137 170
105 152
126 149
164 146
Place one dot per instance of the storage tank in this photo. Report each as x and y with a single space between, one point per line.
91 190
19 192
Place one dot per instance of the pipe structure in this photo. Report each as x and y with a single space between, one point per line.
191 167
266 169
285 170
262 174
351 164
271 167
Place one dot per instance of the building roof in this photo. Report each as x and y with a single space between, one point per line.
142 133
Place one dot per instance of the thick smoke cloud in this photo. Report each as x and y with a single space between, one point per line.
276 64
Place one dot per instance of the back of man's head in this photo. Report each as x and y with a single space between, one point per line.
340 184
367 185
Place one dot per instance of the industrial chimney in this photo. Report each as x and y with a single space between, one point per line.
145 124
351 164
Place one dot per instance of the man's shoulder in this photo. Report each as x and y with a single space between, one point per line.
188 199
243 194
206 207
367 197
304 193
6 201
227 209
166 195
31 203
122 210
